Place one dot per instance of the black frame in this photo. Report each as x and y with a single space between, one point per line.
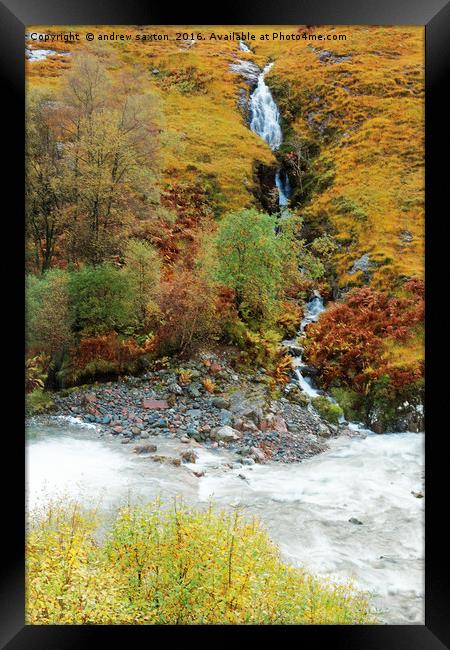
435 16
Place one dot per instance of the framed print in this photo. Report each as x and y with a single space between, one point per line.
221 225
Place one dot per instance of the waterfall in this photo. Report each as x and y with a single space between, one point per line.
265 122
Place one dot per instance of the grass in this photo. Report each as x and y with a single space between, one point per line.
172 566
38 401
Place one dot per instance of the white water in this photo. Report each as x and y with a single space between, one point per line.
305 506
243 47
265 122
312 312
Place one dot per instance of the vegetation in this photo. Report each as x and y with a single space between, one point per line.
144 230
174 567
329 411
350 346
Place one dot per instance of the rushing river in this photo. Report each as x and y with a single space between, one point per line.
304 506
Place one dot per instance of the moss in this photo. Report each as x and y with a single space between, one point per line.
327 410
38 401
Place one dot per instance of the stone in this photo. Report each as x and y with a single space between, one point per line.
418 495
199 473
258 455
194 390
194 413
185 439
175 389
273 423
145 449
166 460
225 434
188 456
354 520
155 404
220 403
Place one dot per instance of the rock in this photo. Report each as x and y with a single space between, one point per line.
258 455
273 423
155 404
135 431
243 424
88 399
247 461
116 430
106 419
418 495
185 439
361 264
199 473
166 460
225 434
194 413
194 389
247 70
225 417
188 456
175 389
145 449
243 407
220 403
353 520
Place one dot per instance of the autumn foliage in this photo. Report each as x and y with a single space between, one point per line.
348 344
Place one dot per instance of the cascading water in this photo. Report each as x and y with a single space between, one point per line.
313 310
265 122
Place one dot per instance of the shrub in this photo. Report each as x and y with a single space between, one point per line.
361 344
100 299
172 566
187 305
327 410
48 322
38 401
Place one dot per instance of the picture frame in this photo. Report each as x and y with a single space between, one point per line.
435 16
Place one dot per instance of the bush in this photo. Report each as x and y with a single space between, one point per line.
38 401
172 566
100 299
48 322
327 410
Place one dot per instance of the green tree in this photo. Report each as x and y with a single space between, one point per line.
252 259
48 320
143 270
100 299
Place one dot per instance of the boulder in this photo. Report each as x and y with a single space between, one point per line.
220 403
188 456
155 404
225 434
148 448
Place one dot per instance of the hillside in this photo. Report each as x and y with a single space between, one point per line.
359 100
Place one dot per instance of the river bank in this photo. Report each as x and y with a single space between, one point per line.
240 415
